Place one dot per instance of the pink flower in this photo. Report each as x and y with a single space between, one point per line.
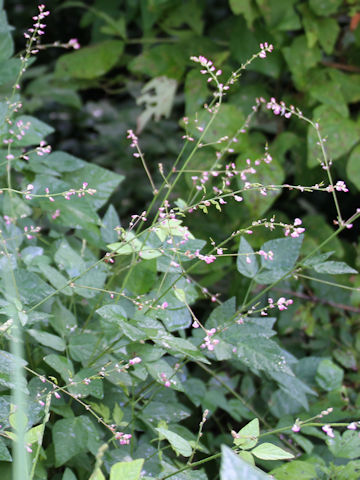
328 430
295 428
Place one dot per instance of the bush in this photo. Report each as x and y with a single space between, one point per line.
148 348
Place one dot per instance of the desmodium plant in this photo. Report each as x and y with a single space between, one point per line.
109 366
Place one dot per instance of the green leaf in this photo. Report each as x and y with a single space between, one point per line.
279 15
266 174
61 365
300 59
341 135
235 468
4 452
244 43
322 30
345 446
36 132
196 92
286 252
262 354
324 8
295 469
334 268
7 370
56 279
82 346
102 180
127 470
246 262
6 41
248 436
245 8
268 451
48 339
70 437
178 444
226 123
293 387
329 376
91 386
352 167
109 221
69 475
90 62
158 96
162 60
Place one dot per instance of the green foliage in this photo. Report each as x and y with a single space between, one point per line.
147 327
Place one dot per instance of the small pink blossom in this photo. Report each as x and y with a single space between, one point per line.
328 430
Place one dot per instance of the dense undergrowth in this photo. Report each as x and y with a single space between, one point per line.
185 305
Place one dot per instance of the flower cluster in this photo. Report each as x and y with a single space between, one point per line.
294 230
210 342
124 438
264 49
38 27
281 304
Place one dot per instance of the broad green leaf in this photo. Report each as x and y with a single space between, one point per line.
90 62
102 180
268 451
69 475
293 387
295 469
245 8
176 345
142 277
248 436
82 346
7 370
244 43
334 268
279 15
84 384
109 221
63 162
352 167
227 122
286 252
247 262
179 444
4 452
196 92
341 135
300 59
62 365
127 470
35 133
70 437
329 376
48 339
6 41
324 8
69 260
162 60
170 412
56 279
161 368
31 287
322 30
262 354
266 174
234 467
158 96
346 445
